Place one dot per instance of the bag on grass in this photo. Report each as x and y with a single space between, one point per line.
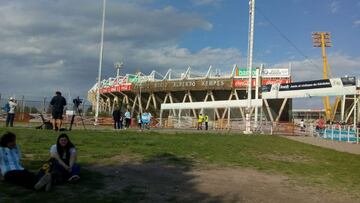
50 166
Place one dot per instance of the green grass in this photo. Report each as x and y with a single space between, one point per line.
304 164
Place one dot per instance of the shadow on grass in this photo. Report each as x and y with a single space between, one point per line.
161 178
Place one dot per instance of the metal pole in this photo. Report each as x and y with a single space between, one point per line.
100 63
343 107
257 84
250 63
355 111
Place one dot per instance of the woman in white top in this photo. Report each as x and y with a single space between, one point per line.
65 154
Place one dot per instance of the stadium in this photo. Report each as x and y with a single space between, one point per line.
140 92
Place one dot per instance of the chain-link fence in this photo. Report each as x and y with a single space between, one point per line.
29 110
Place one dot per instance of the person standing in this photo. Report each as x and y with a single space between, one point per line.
127 118
121 120
57 102
11 107
140 121
302 125
116 117
200 121
206 118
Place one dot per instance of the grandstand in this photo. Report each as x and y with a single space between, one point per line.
139 92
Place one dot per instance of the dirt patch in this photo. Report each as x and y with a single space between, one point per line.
158 181
286 158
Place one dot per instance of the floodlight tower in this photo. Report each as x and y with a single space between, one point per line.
322 39
100 64
118 66
250 64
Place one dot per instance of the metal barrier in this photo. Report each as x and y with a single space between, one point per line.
340 133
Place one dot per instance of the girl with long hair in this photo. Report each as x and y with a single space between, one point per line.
64 152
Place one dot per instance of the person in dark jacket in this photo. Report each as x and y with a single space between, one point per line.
117 116
57 102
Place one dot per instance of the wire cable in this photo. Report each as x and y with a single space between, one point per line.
288 40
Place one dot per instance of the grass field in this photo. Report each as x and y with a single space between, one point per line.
303 164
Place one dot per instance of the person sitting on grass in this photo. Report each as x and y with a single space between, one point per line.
64 152
12 170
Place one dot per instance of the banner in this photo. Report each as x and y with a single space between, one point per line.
132 78
124 87
240 83
274 81
275 72
307 89
315 84
243 72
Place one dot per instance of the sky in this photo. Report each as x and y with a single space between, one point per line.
50 45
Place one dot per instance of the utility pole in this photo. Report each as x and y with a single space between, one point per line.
250 64
100 64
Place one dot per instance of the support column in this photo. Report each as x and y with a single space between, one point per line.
281 109
268 110
343 101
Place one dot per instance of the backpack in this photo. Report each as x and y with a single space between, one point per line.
51 166
7 107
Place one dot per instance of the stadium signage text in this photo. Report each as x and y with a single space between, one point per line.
273 72
184 85
305 85
240 83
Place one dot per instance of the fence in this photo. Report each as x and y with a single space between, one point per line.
345 133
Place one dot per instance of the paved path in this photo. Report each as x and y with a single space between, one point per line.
336 145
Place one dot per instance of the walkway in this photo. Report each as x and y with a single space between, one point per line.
336 145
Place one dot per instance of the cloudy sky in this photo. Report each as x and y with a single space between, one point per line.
49 45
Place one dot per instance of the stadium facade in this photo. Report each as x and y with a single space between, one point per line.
139 93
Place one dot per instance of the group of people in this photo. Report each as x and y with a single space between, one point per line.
143 119
60 168
57 103
119 119
203 119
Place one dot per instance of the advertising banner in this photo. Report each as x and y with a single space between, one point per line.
305 85
241 83
275 72
307 89
124 87
243 72
278 72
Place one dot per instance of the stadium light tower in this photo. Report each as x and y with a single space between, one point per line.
100 63
118 66
250 64
322 39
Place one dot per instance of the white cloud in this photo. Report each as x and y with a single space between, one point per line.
334 6
207 2
340 65
356 23
54 45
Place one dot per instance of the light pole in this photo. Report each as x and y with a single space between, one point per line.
250 64
118 66
322 39
100 63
